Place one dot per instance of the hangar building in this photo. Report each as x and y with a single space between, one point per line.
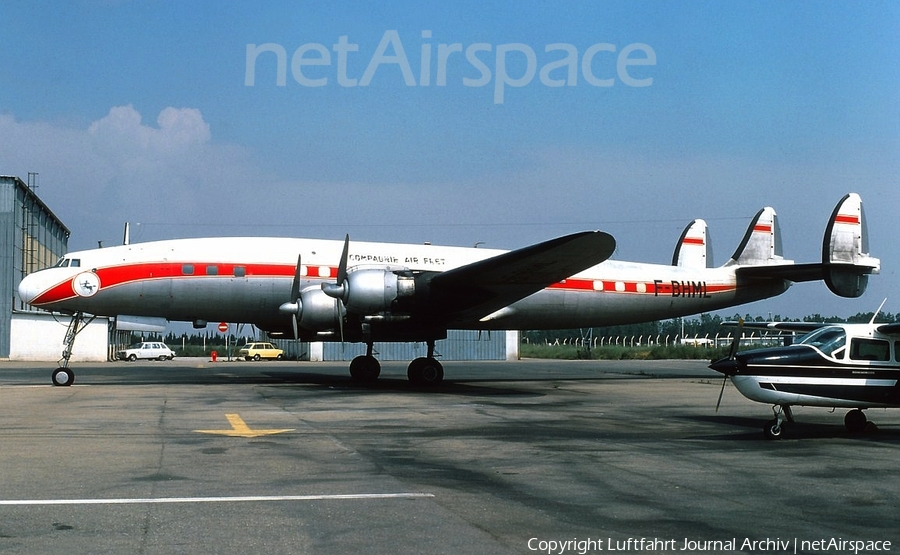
33 238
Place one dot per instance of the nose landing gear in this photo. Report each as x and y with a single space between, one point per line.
64 376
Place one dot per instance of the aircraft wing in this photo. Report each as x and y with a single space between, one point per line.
779 326
889 328
481 288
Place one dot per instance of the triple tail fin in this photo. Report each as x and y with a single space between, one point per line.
846 263
694 249
761 245
845 249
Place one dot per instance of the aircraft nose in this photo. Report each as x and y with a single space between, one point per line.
727 366
29 289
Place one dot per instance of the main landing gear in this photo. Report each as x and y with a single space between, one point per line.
855 421
64 376
424 371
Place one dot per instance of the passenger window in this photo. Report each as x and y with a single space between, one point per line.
212 270
240 271
870 349
187 269
897 351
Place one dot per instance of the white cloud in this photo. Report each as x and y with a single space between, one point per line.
120 169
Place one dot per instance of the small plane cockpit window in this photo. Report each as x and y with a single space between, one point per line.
870 349
828 339
75 262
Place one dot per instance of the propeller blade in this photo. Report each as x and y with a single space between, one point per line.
338 290
721 392
737 339
295 285
342 267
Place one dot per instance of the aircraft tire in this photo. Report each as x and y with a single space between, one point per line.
63 377
855 421
365 369
773 429
426 372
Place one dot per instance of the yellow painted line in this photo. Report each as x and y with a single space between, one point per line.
239 428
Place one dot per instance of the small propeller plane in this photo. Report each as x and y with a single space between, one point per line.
854 366
319 290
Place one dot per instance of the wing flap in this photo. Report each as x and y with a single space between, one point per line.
483 287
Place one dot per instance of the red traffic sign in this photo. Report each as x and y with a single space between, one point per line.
223 327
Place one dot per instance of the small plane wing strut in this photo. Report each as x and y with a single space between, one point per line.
483 287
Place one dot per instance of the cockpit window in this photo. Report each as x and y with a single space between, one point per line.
828 339
65 262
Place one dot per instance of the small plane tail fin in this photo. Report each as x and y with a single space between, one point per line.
694 249
761 245
845 249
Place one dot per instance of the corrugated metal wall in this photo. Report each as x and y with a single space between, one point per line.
31 238
459 345
7 256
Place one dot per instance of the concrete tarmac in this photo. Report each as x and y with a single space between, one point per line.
194 457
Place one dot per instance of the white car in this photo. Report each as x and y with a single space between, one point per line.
149 350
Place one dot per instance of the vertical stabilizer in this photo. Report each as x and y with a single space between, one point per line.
761 245
694 249
845 249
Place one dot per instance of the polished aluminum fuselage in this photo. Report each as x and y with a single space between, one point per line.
247 279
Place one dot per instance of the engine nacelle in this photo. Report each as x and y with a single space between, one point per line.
319 312
374 290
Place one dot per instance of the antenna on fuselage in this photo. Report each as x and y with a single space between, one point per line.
126 239
872 321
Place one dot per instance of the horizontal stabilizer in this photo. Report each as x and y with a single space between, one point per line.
846 264
694 249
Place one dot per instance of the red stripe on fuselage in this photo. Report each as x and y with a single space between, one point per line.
114 276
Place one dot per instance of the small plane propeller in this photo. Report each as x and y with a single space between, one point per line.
731 356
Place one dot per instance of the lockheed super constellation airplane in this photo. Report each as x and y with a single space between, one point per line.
855 366
318 290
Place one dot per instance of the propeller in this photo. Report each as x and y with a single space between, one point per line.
731 356
340 290
294 307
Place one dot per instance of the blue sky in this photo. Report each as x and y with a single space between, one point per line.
140 111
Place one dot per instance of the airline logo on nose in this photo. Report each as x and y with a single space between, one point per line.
86 284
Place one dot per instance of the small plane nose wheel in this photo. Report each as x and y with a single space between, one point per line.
774 428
